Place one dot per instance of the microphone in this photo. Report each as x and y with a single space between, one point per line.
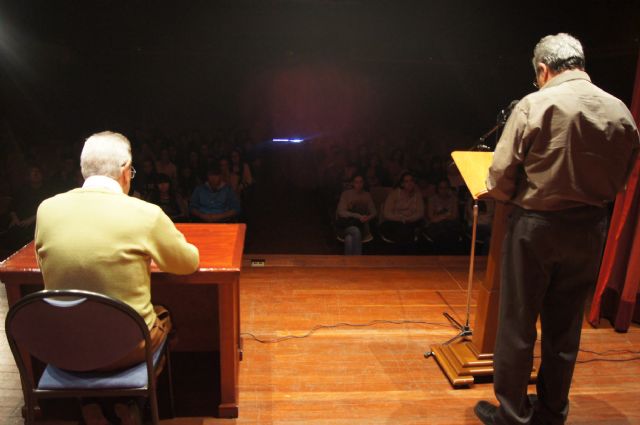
481 147
503 115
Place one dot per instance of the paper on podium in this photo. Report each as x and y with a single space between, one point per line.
474 168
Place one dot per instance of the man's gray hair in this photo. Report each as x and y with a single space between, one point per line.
104 154
559 52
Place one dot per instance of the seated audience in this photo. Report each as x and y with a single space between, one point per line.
395 166
354 213
444 228
5 221
215 201
24 207
435 171
187 182
403 212
165 166
66 178
197 164
145 183
346 178
227 176
168 199
375 173
241 170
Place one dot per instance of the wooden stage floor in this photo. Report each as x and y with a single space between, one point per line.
373 374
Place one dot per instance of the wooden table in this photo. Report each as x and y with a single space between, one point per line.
188 297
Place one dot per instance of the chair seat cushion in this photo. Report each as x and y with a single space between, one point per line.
54 378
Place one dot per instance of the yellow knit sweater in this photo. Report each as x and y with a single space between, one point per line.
102 241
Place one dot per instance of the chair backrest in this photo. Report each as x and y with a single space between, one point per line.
75 330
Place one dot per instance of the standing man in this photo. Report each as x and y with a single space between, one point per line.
98 238
565 152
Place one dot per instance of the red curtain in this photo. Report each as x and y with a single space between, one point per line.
616 297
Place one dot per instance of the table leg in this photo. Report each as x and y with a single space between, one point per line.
228 310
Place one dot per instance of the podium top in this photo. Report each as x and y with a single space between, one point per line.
474 168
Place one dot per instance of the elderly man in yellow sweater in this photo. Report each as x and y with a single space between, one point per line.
100 239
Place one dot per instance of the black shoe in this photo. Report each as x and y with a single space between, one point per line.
486 412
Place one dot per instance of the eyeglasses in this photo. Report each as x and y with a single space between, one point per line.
133 172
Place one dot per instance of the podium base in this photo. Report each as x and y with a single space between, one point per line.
461 362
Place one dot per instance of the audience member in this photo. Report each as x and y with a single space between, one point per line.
444 227
168 199
67 177
346 178
362 157
145 183
198 165
403 212
241 170
375 174
214 201
227 176
354 213
25 205
5 229
333 175
208 158
435 171
165 166
428 189
395 166
146 151
187 182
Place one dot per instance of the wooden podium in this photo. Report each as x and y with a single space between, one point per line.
467 357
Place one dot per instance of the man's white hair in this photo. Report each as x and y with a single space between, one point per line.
104 154
559 52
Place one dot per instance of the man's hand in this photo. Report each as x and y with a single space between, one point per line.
483 195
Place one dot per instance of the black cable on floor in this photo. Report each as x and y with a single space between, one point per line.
341 324
422 322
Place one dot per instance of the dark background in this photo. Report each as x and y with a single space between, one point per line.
434 69
425 77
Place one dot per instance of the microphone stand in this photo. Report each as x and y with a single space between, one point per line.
464 331
458 357
480 146
500 122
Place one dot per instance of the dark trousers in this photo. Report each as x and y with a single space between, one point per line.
549 262
400 233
